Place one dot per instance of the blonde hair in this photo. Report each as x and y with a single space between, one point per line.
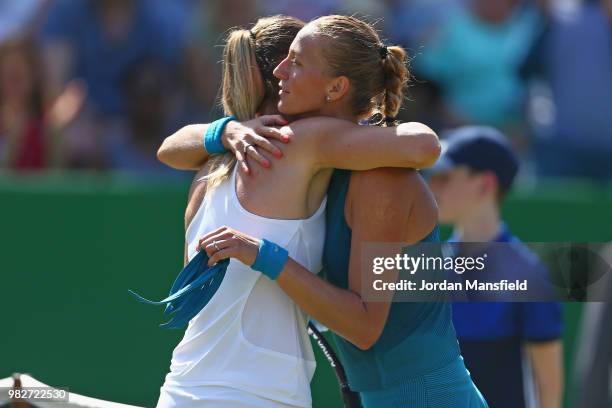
378 73
249 58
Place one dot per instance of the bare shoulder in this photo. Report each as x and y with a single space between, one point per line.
393 195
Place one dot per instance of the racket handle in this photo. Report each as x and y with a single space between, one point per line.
351 398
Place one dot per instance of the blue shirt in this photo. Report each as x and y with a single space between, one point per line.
491 334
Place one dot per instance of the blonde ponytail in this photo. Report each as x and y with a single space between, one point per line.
240 96
249 57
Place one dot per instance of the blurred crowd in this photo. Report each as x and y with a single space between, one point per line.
98 84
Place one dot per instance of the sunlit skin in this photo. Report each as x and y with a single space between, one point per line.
306 86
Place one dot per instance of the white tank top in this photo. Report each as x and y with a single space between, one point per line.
250 336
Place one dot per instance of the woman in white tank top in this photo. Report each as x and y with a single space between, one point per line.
248 347
231 343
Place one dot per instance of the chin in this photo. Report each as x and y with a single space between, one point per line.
285 108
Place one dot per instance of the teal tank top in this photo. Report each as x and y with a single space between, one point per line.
418 337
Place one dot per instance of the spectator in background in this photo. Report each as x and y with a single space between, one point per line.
17 17
571 68
469 182
132 143
474 57
205 32
24 144
99 41
411 22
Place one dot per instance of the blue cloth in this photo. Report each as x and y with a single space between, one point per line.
417 339
213 134
191 291
491 334
271 259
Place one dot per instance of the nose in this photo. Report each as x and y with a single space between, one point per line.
280 71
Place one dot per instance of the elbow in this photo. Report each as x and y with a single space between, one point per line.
430 151
364 344
174 153
367 338
423 145
425 154
163 153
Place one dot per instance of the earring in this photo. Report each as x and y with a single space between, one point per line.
328 98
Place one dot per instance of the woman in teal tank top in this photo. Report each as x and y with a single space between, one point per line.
415 361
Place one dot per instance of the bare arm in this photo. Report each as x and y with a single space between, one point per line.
547 361
335 143
390 208
391 205
329 142
184 150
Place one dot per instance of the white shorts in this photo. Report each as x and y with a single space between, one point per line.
212 396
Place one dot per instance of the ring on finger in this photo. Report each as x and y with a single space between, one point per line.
246 147
216 246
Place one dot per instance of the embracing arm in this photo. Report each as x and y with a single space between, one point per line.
342 144
393 205
184 150
390 205
330 142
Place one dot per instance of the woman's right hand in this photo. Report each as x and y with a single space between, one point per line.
250 139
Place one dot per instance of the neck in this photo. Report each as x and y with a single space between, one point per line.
337 110
483 225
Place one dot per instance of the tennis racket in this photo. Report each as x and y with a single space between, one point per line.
351 398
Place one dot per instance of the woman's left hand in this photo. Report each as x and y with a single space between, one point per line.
226 242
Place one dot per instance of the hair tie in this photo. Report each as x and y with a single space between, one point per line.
252 34
383 51
378 119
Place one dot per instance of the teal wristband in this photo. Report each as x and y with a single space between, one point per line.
212 137
271 259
